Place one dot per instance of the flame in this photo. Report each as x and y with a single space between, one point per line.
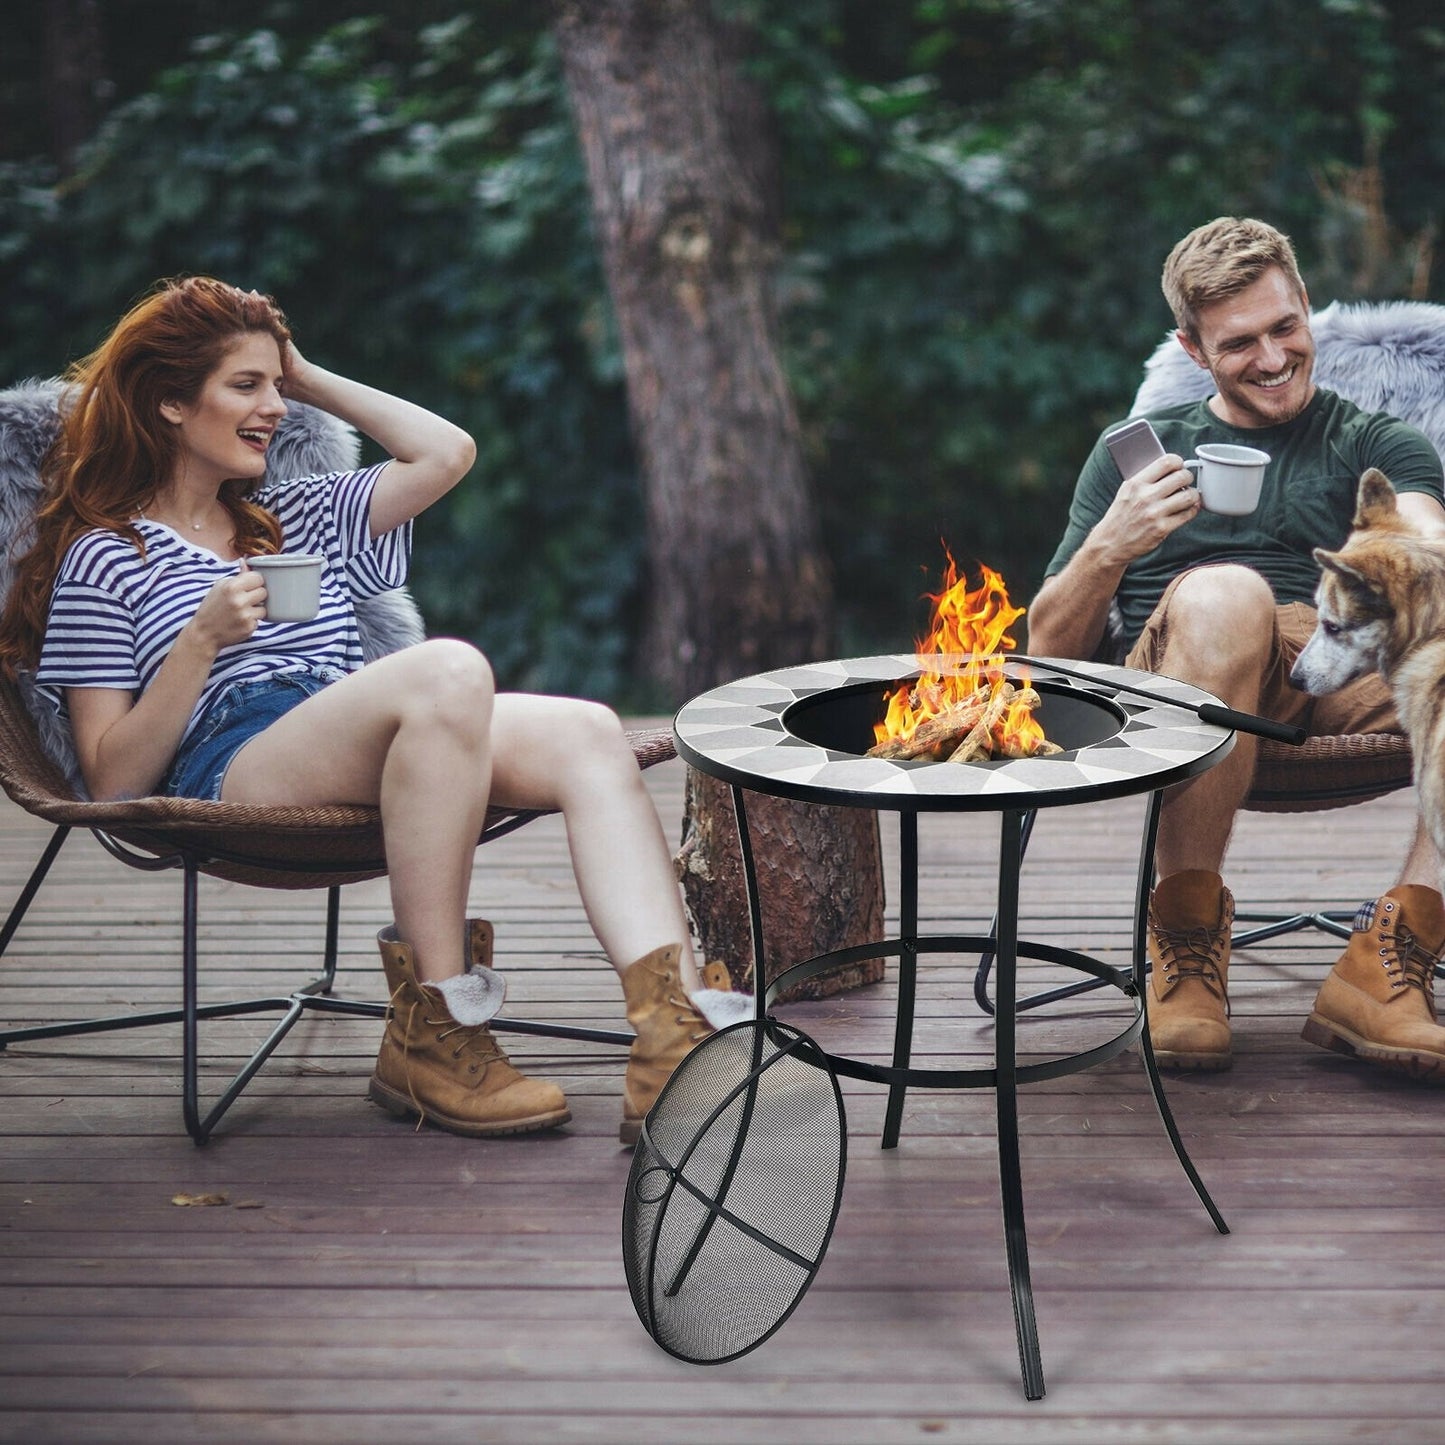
969 628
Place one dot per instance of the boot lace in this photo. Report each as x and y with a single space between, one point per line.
1192 953
1408 963
689 1018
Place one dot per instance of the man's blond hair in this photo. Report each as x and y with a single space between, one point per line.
1219 259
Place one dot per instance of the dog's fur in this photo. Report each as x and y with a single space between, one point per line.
1381 604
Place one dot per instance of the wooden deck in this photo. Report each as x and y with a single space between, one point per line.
364 1282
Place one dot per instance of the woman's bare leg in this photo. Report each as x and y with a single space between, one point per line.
563 753
422 735
411 734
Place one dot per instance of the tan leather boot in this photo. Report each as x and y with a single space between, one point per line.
1378 1001
1190 916
669 1023
439 1062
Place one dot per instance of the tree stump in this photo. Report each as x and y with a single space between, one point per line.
820 881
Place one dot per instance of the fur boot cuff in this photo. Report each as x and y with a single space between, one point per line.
721 1008
473 997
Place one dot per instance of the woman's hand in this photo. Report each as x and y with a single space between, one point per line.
299 375
429 455
229 612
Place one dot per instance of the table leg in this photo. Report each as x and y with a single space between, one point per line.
907 971
1006 1098
1141 971
755 903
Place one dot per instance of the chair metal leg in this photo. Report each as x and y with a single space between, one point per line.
82 1026
333 941
315 996
622 1037
1336 921
293 1007
32 886
1339 922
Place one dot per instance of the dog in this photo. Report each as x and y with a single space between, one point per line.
1381 606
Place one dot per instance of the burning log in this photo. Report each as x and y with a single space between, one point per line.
977 742
996 741
1023 748
971 731
934 735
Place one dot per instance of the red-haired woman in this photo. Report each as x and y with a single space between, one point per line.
148 632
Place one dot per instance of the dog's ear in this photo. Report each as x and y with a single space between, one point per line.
1375 499
1365 594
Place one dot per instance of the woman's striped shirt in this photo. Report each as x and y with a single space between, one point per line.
114 616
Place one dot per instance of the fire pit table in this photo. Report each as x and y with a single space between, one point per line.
803 732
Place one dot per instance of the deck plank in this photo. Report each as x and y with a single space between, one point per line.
364 1281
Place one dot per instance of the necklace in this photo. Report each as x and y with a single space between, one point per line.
194 526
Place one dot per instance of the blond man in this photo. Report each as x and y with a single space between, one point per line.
1226 603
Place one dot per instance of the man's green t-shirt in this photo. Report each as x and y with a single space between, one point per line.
1308 499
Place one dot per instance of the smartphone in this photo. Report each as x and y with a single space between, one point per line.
1133 446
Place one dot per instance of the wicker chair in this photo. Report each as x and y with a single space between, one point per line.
285 848
1384 357
292 848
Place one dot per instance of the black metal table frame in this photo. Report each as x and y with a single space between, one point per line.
1007 1074
797 733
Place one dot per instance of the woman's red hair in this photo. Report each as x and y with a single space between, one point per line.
115 450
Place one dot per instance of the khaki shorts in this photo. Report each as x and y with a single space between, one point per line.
1365 706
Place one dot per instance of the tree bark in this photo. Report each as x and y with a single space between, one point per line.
680 161
681 164
819 882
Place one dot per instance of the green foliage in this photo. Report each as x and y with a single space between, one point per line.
978 197
423 217
981 195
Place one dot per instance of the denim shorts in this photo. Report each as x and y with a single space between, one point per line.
239 712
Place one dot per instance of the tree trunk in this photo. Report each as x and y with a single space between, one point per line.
682 164
679 157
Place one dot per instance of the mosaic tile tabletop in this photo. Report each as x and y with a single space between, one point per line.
740 733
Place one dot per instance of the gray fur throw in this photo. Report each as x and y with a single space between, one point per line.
307 442
1383 356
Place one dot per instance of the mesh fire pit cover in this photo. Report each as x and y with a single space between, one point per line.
734 1190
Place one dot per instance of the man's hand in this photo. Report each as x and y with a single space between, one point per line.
1147 507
